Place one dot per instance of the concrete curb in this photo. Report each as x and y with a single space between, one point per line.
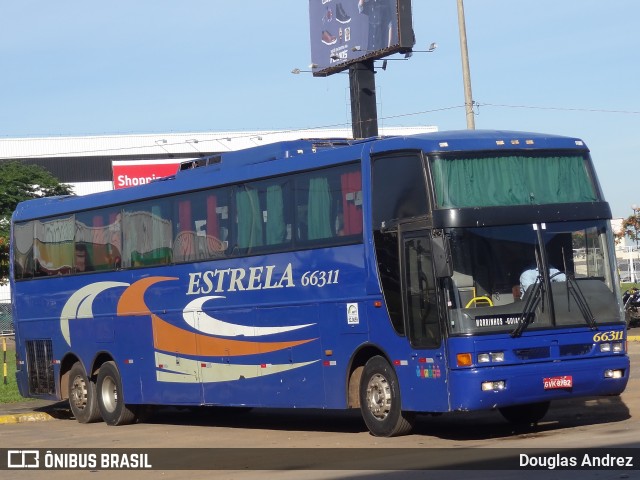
34 411
26 417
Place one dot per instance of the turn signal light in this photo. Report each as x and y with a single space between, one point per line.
464 359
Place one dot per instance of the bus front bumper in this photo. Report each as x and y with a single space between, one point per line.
501 386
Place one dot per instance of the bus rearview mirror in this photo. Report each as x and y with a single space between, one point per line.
441 257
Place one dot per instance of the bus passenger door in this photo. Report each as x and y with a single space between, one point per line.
424 322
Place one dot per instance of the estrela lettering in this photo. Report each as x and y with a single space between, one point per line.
239 279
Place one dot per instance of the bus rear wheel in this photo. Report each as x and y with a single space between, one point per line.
110 397
524 415
380 400
82 395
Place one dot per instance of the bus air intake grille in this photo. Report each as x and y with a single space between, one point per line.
535 353
40 367
576 350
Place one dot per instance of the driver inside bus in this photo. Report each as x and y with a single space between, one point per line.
530 276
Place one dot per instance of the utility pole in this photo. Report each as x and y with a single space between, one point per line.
466 76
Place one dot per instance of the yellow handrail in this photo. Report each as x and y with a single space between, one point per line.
479 299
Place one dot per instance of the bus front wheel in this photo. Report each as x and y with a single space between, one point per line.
110 397
524 415
82 395
380 400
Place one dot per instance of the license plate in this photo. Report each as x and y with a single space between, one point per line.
558 382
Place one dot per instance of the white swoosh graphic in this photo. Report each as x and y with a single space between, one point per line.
199 320
192 371
80 304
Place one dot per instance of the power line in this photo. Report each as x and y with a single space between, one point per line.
564 109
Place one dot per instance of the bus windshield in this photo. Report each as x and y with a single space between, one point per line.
508 179
550 275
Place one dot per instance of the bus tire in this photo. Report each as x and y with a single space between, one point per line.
82 395
524 415
380 402
110 397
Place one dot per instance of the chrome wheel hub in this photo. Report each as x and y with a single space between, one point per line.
79 393
379 396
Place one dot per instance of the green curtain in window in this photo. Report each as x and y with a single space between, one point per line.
276 229
249 218
513 180
319 209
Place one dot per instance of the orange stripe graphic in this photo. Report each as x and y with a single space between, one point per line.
170 338
132 300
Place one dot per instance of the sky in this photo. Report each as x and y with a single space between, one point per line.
567 67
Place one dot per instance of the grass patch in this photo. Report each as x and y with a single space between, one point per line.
626 286
9 392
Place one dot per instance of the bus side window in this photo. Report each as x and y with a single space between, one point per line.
201 226
319 208
54 246
398 189
351 194
421 297
98 240
329 205
313 207
275 198
23 237
248 218
389 270
148 234
184 243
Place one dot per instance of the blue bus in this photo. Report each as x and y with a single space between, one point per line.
450 271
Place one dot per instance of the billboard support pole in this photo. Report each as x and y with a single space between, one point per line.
362 86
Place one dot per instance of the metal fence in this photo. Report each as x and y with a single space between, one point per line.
628 270
6 321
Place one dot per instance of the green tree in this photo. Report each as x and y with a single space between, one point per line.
19 182
630 228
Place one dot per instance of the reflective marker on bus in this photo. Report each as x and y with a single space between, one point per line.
400 275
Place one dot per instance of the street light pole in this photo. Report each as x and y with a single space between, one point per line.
466 75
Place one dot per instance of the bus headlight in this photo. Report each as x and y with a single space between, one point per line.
493 386
491 357
613 373
616 347
497 357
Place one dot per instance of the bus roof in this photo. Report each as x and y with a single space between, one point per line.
274 159
470 140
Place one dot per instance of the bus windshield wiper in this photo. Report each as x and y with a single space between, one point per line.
528 312
573 289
